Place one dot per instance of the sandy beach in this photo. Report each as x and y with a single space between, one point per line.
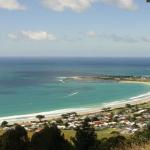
136 82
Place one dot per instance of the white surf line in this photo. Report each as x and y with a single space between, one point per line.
140 96
32 116
131 100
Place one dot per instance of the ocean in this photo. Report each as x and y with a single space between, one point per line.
35 85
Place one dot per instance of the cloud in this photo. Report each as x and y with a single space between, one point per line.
122 38
91 34
75 5
12 36
11 5
145 39
32 35
81 5
113 36
123 4
38 35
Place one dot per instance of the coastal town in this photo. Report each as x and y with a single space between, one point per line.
123 120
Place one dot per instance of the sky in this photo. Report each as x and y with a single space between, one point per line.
78 28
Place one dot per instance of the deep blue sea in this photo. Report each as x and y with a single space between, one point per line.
32 85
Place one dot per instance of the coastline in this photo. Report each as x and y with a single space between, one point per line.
144 98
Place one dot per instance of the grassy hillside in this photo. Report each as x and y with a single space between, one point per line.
136 147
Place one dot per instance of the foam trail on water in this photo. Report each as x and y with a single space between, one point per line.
73 93
61 79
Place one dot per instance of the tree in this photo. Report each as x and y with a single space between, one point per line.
94 119
14 139
87 120
128 106
59 121
4 124
116 141
50 138
141 136
112 143
85 138
40 117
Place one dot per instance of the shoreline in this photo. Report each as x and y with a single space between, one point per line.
143 98
136 82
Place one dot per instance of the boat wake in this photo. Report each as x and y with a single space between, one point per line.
61 79
72 94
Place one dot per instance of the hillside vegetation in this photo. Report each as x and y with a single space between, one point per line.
84 138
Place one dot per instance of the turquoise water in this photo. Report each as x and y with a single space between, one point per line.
33 85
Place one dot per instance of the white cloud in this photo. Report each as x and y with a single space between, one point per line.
80 5
12 36
75 5
122 38
123 4
145 39
91 34
114 37
38 35
11 5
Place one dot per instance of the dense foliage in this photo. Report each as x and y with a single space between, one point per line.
85 138
51 138
14 139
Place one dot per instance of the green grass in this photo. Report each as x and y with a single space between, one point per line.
144 105
69 133
105 133
1 131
